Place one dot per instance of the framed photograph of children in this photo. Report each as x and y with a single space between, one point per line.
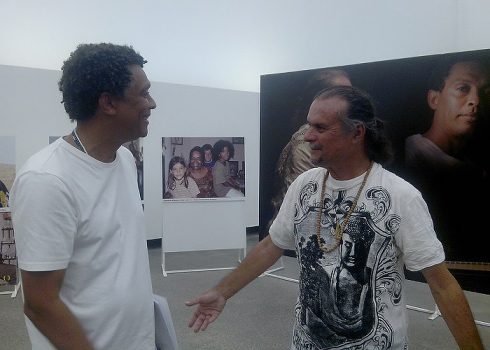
202 168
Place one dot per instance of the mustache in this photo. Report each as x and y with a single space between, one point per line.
314 147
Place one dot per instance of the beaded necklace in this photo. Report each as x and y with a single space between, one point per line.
339 229
77 141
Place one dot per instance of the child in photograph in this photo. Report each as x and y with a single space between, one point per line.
179 185
209 160
224 184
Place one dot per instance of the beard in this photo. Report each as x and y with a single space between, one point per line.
316 161
315 155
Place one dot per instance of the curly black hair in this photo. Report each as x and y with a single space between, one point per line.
220 145
91 70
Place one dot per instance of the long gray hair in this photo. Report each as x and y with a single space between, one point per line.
360 110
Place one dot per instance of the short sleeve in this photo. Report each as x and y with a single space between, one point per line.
416 237
282 229
45 222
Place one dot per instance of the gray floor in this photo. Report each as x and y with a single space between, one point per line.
259 317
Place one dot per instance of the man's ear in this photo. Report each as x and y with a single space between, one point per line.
433 99
107 103
359 132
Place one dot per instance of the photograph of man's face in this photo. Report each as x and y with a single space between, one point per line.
436 112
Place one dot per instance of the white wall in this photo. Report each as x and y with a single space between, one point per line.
192 112
225 44
230 43
31 111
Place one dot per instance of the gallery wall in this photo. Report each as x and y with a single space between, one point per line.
229 44
223 44
31 111
399 91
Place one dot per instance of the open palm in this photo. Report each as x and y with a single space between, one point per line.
210 305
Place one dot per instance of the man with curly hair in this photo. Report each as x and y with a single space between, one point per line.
77 212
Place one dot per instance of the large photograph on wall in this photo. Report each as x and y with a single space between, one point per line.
203 168
8 256
7 168
136 149
437 116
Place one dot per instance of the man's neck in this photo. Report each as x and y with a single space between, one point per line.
97 142
349 169
452 145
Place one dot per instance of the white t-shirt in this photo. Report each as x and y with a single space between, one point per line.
73 212
356 301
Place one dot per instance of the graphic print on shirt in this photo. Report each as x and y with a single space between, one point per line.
344 294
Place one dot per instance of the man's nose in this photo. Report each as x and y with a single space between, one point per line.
474 97
153 104
308 136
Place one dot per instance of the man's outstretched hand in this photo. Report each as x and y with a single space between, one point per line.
210 305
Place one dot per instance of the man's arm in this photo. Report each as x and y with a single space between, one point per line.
211 303
43 306
453 306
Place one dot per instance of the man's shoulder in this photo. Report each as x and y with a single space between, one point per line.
309 175
416 145
126 156
414 138
42 159
396 184
218 165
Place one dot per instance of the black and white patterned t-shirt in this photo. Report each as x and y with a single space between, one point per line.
353 297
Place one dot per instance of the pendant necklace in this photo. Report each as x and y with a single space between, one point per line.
339 228
77 141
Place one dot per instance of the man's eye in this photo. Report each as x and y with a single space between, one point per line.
464 88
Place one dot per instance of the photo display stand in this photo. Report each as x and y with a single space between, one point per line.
203 225
9 272
436 313
451 265
12 292
270 272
